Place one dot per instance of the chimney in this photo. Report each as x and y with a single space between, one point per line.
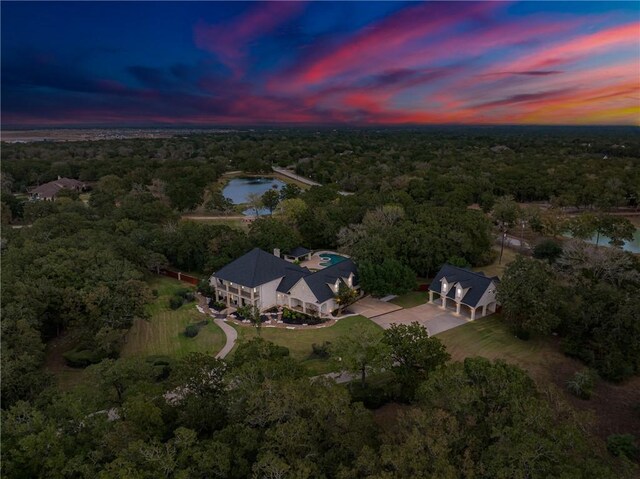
276 252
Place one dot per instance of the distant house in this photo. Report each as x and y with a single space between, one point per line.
48 191
266 280
470 293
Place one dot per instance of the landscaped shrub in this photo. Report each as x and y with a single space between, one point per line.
217 305
175 302
296 317
321 350
204 288
81 357
154 293
186 294
192 330
623 445
582 383
243 312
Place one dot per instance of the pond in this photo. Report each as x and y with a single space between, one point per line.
633 245
238 189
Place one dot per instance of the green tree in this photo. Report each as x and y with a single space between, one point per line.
290 191
530 294
361 351
291 210
506 214
414 354
548 249
270 200
617 228
345 296
270 233
254 201
388 277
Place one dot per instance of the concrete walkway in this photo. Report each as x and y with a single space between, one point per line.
432 317
229 331
231 335
371 307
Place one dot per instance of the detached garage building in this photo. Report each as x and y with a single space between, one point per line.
469 293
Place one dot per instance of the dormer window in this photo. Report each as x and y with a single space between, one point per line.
458 292
444 287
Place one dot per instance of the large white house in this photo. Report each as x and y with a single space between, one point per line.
470 293
266 280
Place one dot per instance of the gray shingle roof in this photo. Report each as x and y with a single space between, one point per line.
318 282
257 267
476 282
51 189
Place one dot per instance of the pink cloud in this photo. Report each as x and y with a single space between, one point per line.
381 41
230 41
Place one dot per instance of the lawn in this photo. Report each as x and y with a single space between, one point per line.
495 269
299 341
491 338
411 299
612 405
163 334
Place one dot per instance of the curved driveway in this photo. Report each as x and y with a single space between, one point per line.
231 334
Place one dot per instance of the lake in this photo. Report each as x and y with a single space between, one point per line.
238 189
633 245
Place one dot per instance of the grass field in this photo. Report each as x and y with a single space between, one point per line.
612 405
299 341
411 299
491 338
495 269
162 333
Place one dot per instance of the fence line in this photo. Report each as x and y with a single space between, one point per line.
180 276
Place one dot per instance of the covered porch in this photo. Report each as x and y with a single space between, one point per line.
461 309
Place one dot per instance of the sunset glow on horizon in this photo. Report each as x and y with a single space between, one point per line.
324 63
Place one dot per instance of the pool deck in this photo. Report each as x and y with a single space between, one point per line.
316 262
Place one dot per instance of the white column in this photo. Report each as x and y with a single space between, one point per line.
457 308
484 310
444 302
304 307
473 314
431 296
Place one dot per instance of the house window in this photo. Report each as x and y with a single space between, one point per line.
459 292
444 287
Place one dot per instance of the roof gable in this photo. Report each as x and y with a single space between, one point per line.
258 267
319 281
474 283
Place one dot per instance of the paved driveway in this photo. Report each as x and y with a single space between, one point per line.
370 307
435 319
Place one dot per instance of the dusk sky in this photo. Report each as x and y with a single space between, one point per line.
360 63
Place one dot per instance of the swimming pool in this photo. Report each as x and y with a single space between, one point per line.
329 259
